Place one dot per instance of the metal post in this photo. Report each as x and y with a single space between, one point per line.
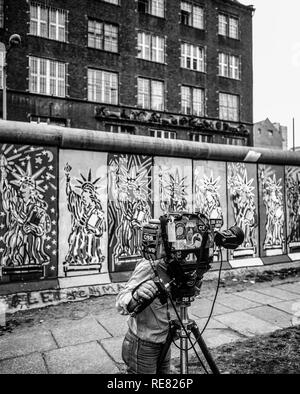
294 135
4 98
183 341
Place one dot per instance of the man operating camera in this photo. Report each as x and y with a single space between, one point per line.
147 330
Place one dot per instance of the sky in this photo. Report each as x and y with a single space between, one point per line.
276 63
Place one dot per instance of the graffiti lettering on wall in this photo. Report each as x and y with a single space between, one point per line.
28 212
273 198
130 206
293 208
83 213
242 198
40 299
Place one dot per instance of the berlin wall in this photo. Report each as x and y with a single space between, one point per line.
73 203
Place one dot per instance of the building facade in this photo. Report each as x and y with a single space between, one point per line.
270 135
162 68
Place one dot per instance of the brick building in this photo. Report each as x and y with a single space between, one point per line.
164 68
270 135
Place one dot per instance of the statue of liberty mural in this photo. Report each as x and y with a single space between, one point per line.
207 197
172 191
27 220
129 190
243 204
273 201
293 207
87 221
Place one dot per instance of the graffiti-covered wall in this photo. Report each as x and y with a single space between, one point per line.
72 218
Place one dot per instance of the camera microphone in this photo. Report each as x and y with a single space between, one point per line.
231 238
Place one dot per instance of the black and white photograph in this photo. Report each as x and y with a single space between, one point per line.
149 190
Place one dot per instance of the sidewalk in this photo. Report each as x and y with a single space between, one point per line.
88 338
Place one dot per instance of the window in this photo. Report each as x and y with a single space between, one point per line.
119 129
270 132
103 86
192 57
229 107
229 66
1 13
153 7
192 15
200 138
228 26
48 120
150 94
47 77
151 47
170 135
48 22
234 141
103 36
192 101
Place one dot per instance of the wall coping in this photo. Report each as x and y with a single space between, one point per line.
95 140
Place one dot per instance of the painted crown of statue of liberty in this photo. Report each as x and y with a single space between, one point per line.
88 184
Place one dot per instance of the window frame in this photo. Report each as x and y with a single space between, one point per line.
227 69
146 7
229 18
97 33
201 61
46 79
191 14
47 23
149 98
92 95
192 102
163 134
228 108
142 46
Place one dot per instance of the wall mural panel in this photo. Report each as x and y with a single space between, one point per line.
210 192
130 206
243 207
293 208
173 185
28 213
272 210
83 213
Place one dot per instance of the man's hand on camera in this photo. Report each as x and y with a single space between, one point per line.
147 290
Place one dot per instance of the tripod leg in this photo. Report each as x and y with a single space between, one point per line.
171 335
204 349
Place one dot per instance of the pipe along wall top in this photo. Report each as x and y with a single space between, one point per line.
95 140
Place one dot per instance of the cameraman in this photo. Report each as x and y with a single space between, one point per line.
148 330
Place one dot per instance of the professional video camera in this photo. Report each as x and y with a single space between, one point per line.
186 242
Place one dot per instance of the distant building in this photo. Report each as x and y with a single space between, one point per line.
167 69
270 135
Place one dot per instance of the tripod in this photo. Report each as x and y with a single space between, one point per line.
182 328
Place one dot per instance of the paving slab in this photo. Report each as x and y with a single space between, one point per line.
235 302
272 315
276 291
259 298
291 307
27 342
292 287
115 324
202 308
32 364
215 338
246 324
113 347
79 331
86 358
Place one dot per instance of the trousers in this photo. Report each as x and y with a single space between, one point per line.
141 357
